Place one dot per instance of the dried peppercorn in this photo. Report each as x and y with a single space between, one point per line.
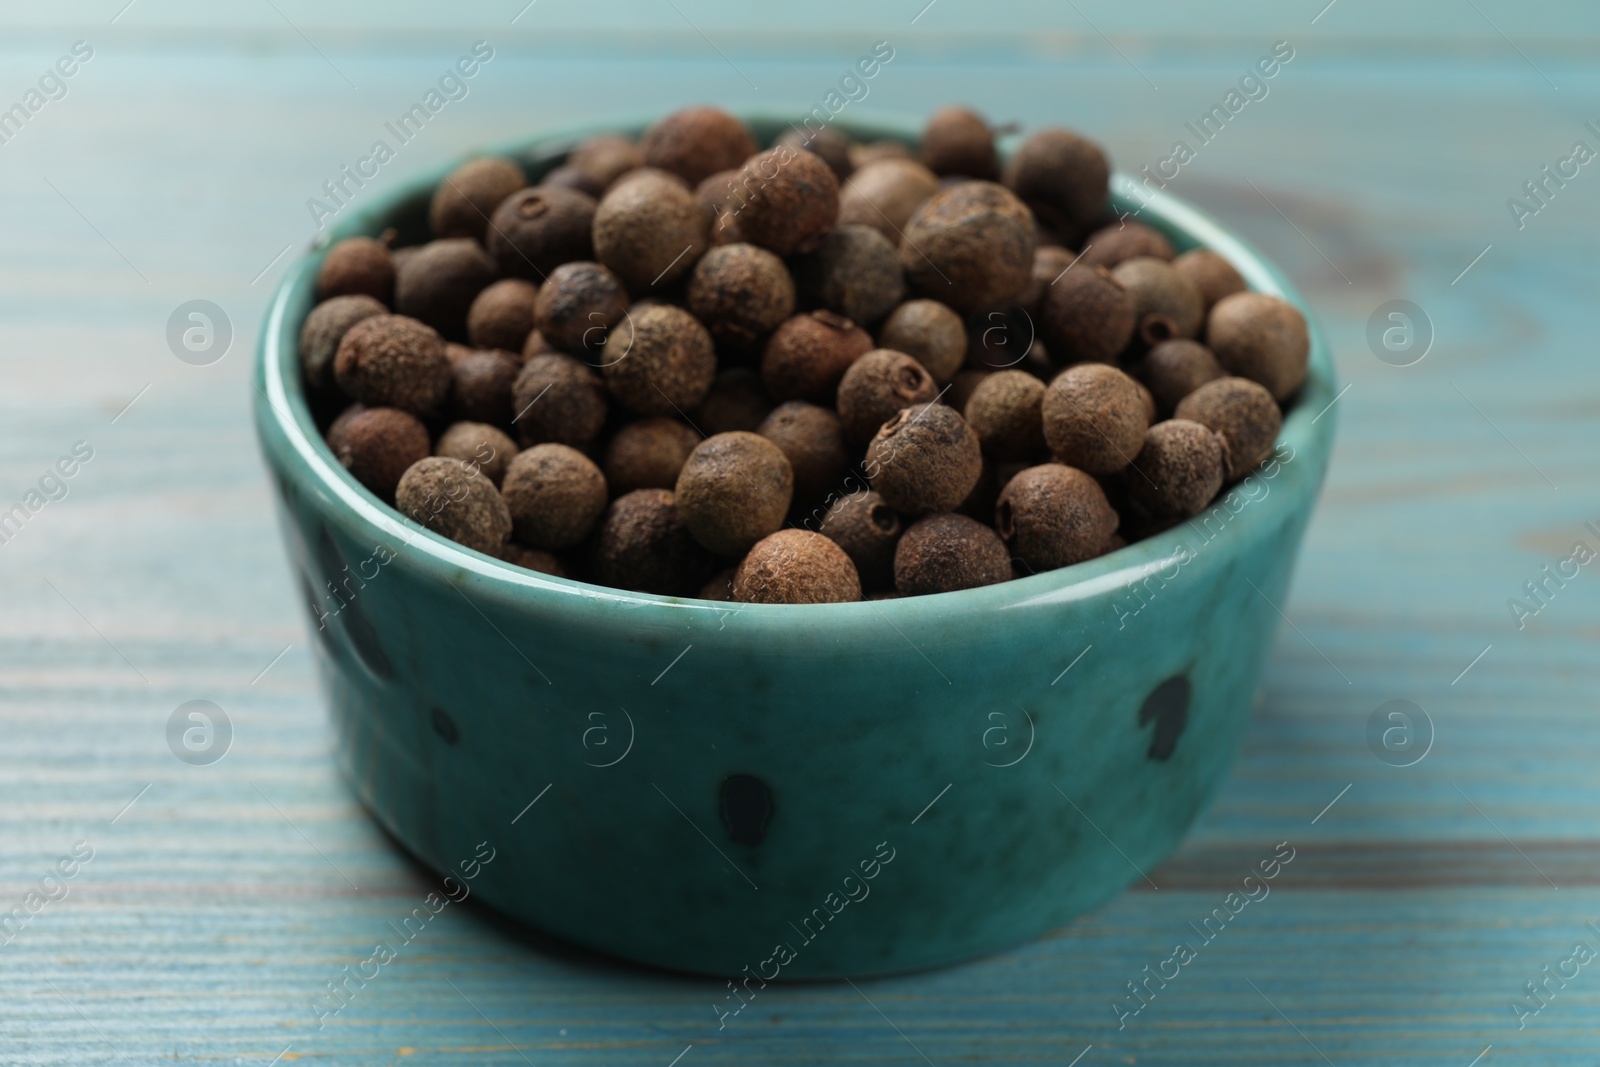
868 529
1209 273
722 199
791 200
737 401
1263 338
480 445
944 552
1165 303
454 500
650 230
648 454
864 155
643 545
796 567
1094 418
555 495
957 140
659 361
1053 516
885 194
806 356
464 201
1179 469
741 293
558 399
570 177
1049 263
534 559
855 271
1086 316
812 440
929 333
501 316
876 387
696 142
357 266
1110 245
578 306
534 231
734 490
1174 369
826 143
393 361
605 158
481 387
925 459
377 445
969 246
325 327
1005 412
1063 176
439 283
1243 412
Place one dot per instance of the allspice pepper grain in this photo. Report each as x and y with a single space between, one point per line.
885 194
1086 316
605 158
483 446
826 143
464 202
929 333
855 271
456 501
696 142
659 361
481 387
377 445
648 454
791 201
578 306
734 489
393 361
868 529
1174 369
325 327
969 246
1165 303
1243 412
876 387
535 230
807 355
558 399
925 459
501 316
1110 245
1212 275
643 545
957 140
438 284
649 229
1263 338
944 552
741 293
555 495
737 401
1063 176
1005 412
1179 469
1094 418
796 567
812 440
1053 516
357 266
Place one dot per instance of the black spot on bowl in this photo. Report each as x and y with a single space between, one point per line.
445 726
1168 706
746 807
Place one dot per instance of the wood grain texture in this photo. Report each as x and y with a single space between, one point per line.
222 900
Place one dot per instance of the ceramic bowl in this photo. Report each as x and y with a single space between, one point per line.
785 791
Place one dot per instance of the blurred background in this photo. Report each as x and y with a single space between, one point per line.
175 165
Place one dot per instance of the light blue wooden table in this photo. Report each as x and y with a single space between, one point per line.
220 899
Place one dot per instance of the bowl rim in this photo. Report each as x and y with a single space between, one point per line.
282 400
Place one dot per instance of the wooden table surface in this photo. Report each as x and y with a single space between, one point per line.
220 899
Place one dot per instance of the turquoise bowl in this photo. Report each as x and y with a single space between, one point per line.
785 792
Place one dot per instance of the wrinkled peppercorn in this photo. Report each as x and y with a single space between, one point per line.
1179 469
535 230
812 440
377 445
1243 413
357 266
1053 516
734 490
876 387
659 361
796 567
741 293
806 356
501 316
578 306
1263 338
454 500
696 142
791 200
558 399
393 361
855 271
439 283
1094 418
969 246
555 495
650 230
925 459
945 552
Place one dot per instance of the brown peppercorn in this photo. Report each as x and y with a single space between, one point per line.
605 158
1174 369
659 360
555 495
723 199
867 528
357 266
741 293
1094 418
876 387
855 271
826 143
924 459
533 559
502 315
465 201
569 177
1179 469
578 306
812 440
806 356
1086 316
970 246
335 432
649 230
792 200
885 194
963 385
1263 338
1244 414
439 283
325 327
945 552
696 142
718 587
1165 303
737 401
536 344
534 231
482 386
796 567
864 155
1053 516
1049 263
957 140
393 361
1124 240
1212 275
376 445
1063 176
558 399
643 545
479 445
454 500
648 454
1004 411
929 333
734 490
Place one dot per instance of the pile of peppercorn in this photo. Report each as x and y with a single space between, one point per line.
806 374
